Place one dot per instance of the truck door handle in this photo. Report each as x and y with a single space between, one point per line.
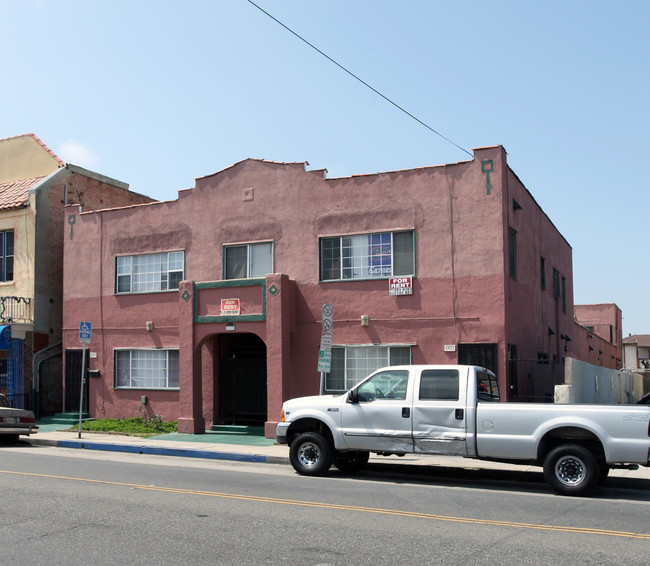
406 412
460 414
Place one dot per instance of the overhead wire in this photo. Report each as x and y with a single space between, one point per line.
359 79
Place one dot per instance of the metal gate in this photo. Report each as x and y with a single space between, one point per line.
242 391
73 359
536 379
12 374
242 380
50 391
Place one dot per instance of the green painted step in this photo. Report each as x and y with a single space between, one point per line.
65 418
239 430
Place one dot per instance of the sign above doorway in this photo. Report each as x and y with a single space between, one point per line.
230 306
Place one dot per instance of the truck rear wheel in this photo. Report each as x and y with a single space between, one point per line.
310 454
571 469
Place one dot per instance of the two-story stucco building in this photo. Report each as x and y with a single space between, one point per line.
208 309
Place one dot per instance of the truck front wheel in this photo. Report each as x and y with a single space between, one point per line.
310 454
571 469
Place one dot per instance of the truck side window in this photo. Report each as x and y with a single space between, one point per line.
385 385
439 385
488 390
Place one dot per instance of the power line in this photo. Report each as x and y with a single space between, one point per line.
360 80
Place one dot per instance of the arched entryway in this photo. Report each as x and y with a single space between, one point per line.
241 380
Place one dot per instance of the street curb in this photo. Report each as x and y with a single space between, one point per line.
160 451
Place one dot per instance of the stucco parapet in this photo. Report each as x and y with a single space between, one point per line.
301 164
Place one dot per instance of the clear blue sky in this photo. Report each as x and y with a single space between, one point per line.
157 93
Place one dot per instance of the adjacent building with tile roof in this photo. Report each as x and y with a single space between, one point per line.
35 187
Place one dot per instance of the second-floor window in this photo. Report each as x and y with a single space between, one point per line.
244 261
149 273
7 255
367 256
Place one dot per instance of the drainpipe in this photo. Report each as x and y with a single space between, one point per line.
36 377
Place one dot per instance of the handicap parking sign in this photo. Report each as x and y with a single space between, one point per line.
85 331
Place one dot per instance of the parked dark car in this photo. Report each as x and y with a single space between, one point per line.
14 422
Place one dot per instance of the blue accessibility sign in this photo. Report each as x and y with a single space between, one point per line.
85 331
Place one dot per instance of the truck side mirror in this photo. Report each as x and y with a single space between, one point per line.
353 396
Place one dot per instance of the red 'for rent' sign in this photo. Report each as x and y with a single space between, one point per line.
400 286
229 306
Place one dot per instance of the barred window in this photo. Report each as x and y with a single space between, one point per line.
146 369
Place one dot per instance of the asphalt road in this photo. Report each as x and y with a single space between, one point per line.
63 506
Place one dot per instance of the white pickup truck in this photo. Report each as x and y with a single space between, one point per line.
454 410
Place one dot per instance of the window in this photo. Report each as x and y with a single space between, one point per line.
147 369
351 364
556 283
367 256
563 294
384 385
149 272
488 389
512 246
7 255
247 260
439 385
542 268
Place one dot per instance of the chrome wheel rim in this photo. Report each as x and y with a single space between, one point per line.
309 454
570 470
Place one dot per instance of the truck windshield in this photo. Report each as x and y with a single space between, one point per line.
488 390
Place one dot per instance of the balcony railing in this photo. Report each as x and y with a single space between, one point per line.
16 309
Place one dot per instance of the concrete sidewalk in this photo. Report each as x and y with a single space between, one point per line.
208 446
256 449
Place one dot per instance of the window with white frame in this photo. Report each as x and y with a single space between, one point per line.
367 256
351 364
7 255
148 273
244 261
146 369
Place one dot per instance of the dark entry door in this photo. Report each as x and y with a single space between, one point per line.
73 359
50 394
484 355
242 380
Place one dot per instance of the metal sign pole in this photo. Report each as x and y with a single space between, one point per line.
85 334
81 396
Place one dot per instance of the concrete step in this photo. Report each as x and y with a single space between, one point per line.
239 430
65 418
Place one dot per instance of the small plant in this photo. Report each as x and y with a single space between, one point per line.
155 422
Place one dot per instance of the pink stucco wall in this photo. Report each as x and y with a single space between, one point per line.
463 293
